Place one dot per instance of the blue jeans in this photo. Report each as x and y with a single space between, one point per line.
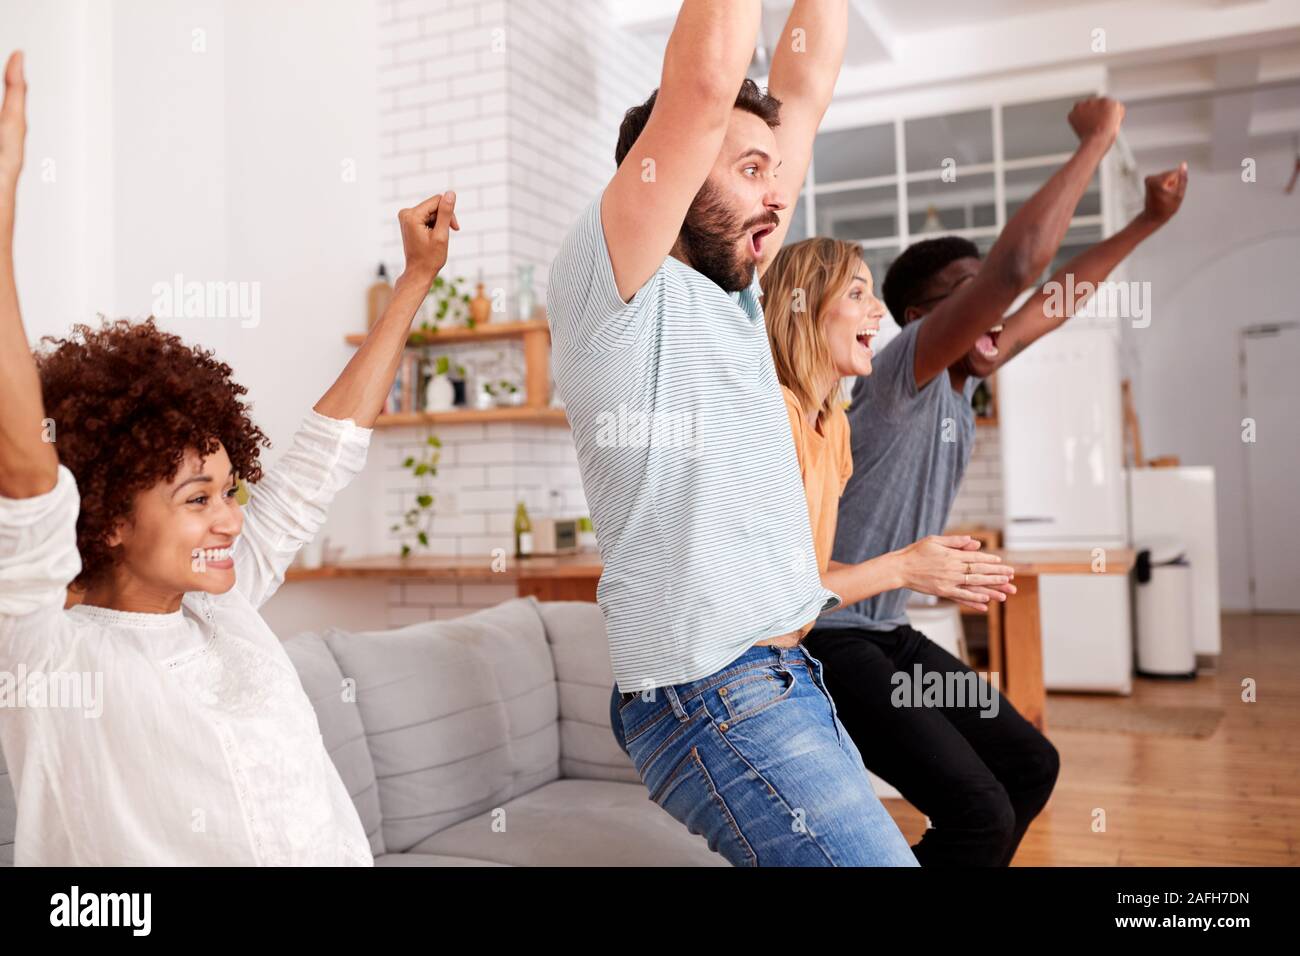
755 760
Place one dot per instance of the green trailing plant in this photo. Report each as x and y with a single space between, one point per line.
418 519
443 366
445 295
502 390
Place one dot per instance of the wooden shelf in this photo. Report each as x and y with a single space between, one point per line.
470 416
480 333
536 337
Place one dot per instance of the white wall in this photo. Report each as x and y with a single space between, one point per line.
1226 261
205 138
229 166
63 242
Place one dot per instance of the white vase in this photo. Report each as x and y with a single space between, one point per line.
439 394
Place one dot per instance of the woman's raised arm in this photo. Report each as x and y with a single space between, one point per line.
360 390
29 465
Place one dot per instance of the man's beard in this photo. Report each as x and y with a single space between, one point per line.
709 236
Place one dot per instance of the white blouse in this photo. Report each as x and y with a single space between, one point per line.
171 739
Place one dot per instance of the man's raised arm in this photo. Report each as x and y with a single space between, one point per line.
805 67
1023 250
1041 313
646 202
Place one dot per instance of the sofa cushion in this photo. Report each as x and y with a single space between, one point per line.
460 715
576 823
340 727
580 647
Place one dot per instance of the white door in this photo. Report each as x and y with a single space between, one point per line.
1271 399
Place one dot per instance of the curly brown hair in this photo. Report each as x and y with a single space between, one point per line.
128 400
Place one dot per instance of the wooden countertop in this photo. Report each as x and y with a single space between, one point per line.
1066 561
587 565
583 565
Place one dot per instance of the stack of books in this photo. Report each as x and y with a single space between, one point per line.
407 393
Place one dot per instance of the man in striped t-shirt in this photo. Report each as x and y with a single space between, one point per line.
687 460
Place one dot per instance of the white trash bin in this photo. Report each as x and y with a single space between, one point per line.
1163 585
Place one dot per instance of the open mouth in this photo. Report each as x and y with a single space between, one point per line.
987 344
757 237
219 558
865 337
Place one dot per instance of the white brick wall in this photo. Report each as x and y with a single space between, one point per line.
979 499
515 104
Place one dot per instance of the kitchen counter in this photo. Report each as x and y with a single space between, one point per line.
564 577
1018 656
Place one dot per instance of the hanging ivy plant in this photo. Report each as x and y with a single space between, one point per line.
417 522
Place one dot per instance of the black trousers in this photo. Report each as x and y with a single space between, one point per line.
980 780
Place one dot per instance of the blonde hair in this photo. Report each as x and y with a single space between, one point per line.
802 283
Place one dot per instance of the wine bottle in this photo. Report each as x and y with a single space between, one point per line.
523 532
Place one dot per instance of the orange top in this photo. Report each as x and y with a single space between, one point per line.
825 464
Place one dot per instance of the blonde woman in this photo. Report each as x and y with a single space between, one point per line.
822 314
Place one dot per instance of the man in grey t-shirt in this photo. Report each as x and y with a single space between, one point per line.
980 773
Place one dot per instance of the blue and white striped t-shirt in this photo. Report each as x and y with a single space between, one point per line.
687 462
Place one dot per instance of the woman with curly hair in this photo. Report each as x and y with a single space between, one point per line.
120 453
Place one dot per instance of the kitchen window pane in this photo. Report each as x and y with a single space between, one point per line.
966 138
1038 129
799 223
858 214
860 153
934 206
1023 183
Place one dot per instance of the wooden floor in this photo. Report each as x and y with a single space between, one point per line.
1230 799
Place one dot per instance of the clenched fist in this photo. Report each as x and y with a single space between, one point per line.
425 235
1097 117
1165 193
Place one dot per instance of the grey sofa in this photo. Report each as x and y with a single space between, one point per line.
480 741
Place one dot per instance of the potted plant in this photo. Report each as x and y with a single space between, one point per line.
504 393
446 388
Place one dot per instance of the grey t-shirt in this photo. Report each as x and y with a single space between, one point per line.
910 450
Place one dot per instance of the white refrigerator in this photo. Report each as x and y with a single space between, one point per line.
1061 434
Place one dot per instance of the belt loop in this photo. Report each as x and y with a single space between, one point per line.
675 702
